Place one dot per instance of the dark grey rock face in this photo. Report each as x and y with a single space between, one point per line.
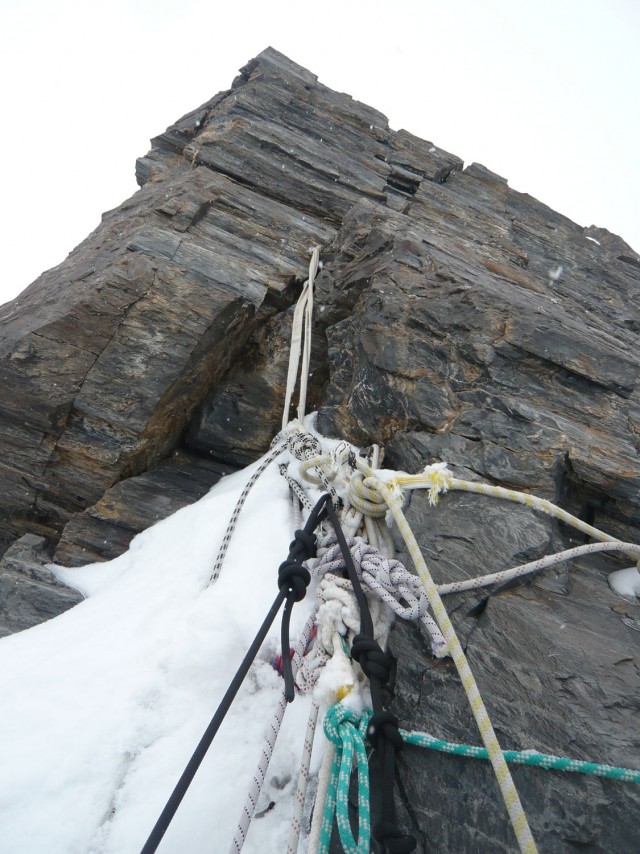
105 529
456 320
29 592
557 668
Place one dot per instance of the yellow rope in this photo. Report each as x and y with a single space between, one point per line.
437 479
514 807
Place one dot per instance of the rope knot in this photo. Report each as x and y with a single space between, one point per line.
373 661
393 839
294 579
303 546
343 455
384 724
364 495
304 446
338 716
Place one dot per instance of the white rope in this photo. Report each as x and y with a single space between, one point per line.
301 324
275 452
324 778
537 565
308 450
267 749
295 488
303 779
308 321
389 494
296 510
391 582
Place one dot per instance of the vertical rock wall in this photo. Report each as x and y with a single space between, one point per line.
456 320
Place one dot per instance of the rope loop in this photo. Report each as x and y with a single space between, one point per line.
346 731
373 661
365 497
394 840
304 545
384 724
304 446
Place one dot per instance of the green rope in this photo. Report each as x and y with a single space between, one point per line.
524 757
347 731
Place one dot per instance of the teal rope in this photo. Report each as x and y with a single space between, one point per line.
523 757
347 732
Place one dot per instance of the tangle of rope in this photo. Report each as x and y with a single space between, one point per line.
382 730
380 493
388 579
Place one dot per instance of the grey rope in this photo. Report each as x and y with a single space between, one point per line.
273 454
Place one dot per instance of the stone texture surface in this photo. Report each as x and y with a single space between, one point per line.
456 320
29 592
104 530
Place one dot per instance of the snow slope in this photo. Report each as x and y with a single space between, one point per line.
103 706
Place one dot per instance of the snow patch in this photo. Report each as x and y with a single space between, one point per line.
626 582
103 706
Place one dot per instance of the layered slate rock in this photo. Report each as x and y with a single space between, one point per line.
105 357
456 320
105 529
29 591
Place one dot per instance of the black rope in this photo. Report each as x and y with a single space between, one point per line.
199 753
382 731
293 579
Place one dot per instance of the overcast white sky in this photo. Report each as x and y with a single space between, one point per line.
544 92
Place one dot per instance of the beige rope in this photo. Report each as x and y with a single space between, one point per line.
507 787
302 321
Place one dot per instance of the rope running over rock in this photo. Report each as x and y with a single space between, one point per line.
388 494
524 757
302 319
537 566
438 480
